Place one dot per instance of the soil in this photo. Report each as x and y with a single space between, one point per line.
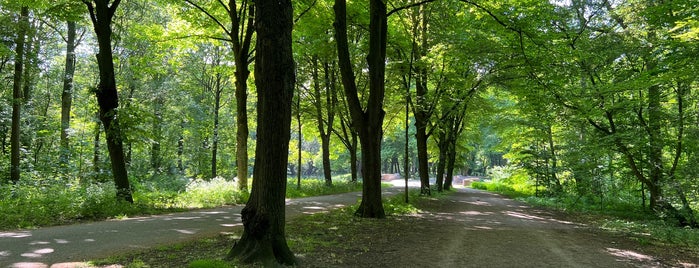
467 228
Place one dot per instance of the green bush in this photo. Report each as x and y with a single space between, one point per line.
316 187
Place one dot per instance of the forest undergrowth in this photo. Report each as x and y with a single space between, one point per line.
38 203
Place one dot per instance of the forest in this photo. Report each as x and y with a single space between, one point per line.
107 103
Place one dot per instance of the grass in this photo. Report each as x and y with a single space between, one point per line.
317 187
37 203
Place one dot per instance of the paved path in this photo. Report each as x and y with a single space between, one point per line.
63 246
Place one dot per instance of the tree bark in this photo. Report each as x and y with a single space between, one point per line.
101 14
263 238
369 121
241 38
329 111
17 96
67 95
155 155
217 88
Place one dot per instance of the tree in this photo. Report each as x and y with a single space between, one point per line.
325 123
368 120
101 14
17 94
240 35
72 41
263 238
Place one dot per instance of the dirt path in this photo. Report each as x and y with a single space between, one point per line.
472 228
469 228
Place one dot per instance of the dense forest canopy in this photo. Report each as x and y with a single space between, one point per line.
592 98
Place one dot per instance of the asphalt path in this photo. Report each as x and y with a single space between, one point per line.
68 246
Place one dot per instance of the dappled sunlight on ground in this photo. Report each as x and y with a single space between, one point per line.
628 254
16 234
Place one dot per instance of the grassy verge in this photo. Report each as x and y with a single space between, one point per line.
613 215
37 203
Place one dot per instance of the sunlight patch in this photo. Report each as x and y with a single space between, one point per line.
628 254
183 231
16 235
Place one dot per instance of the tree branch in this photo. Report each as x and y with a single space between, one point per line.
209 15
398 9
305 11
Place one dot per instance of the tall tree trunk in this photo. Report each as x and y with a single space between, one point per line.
67 94
369 122
299 161
442 144
96 167
155 158
554 159
353 157
451 159
17 97
318 103
422 107
180 147
217 107
241 38
263 238
101 14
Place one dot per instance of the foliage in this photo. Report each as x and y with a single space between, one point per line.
316 187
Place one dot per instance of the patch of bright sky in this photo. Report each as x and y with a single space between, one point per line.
561 3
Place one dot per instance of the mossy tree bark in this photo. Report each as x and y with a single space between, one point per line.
264 238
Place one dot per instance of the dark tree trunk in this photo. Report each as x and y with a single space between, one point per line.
67 95
263 238
369 121
17 98
441 163
180 147
423 167
422 109
101 14
451 159
353 157
329 111
241 38
217 88
96 167
155 158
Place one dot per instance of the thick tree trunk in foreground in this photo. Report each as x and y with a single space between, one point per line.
264 238
67 95
17 98
101 14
